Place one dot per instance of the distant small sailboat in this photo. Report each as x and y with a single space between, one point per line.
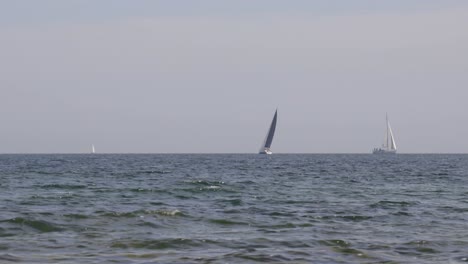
265 148
389 145
93 150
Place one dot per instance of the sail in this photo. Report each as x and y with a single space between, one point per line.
265 147
271 131
92 149
385 142
388 145
392 139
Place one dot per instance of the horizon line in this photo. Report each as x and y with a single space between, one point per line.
224 153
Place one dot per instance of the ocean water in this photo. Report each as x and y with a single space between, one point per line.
233 209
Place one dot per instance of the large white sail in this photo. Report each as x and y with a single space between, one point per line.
93 150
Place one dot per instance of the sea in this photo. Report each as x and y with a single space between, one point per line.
233 208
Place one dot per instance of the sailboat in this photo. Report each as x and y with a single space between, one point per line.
388 146
93 150
265 148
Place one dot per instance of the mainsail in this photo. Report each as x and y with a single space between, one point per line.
93 150
265 148
271 132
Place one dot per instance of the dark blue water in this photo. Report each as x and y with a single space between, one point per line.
233 209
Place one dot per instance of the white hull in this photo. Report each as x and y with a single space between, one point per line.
267 152
383 152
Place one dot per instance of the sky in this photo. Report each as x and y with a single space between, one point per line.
206 76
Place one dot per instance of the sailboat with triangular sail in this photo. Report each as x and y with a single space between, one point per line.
389 145
265 148
93 150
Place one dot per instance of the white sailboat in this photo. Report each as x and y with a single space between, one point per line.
265 148
389 145
93 150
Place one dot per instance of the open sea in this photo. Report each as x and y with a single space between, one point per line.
233 208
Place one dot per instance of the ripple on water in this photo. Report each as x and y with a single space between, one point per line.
462 259
417 248
347 218
205 183
233 202
159 244
154 172
226 222
343 247
10 258
386 204
63 186
261 257
149 190
39 225
138 213
77 216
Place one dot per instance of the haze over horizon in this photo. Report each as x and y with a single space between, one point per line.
206 76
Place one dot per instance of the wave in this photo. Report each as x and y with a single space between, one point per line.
153 172
40 225
226 222
205 182
148 190
208 188
284 226
390 204
10 258
353 218
138 213
63 186
261 257
159 244
76 216
233 202
343 247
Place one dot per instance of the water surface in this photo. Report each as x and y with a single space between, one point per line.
233 209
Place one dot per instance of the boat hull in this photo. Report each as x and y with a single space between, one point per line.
383 152
265 152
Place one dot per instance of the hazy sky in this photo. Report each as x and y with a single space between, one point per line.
207 75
